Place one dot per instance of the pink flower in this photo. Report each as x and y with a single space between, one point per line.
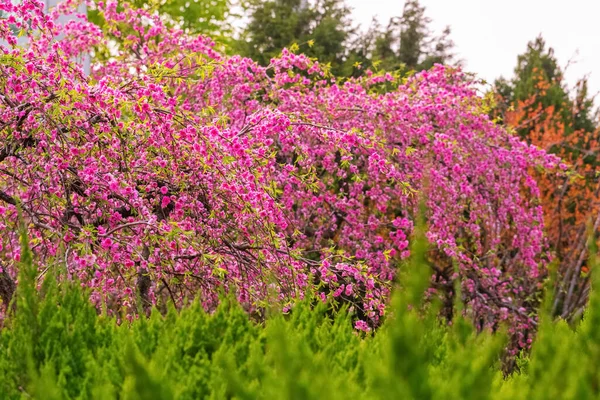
362 326
348 290
106 243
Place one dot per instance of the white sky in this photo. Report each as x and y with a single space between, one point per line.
489 34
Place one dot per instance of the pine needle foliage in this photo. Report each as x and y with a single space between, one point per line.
56 346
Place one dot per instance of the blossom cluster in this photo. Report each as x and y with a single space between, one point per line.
174 171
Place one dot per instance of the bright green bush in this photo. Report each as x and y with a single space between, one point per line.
55 346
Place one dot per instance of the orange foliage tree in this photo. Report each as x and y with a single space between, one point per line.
543 114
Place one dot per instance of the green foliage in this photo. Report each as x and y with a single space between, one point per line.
212 18
195 16
319 30
408 42
323 30
536 65
56 346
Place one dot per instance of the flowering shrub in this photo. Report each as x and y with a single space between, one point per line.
173 171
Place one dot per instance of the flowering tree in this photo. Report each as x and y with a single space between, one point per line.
174 171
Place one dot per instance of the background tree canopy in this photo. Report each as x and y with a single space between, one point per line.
323 29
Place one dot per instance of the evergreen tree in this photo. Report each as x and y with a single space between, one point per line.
542 110
539 79
360 49
413 34
409 43
320 29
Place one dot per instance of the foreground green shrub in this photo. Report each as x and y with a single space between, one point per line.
56 347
